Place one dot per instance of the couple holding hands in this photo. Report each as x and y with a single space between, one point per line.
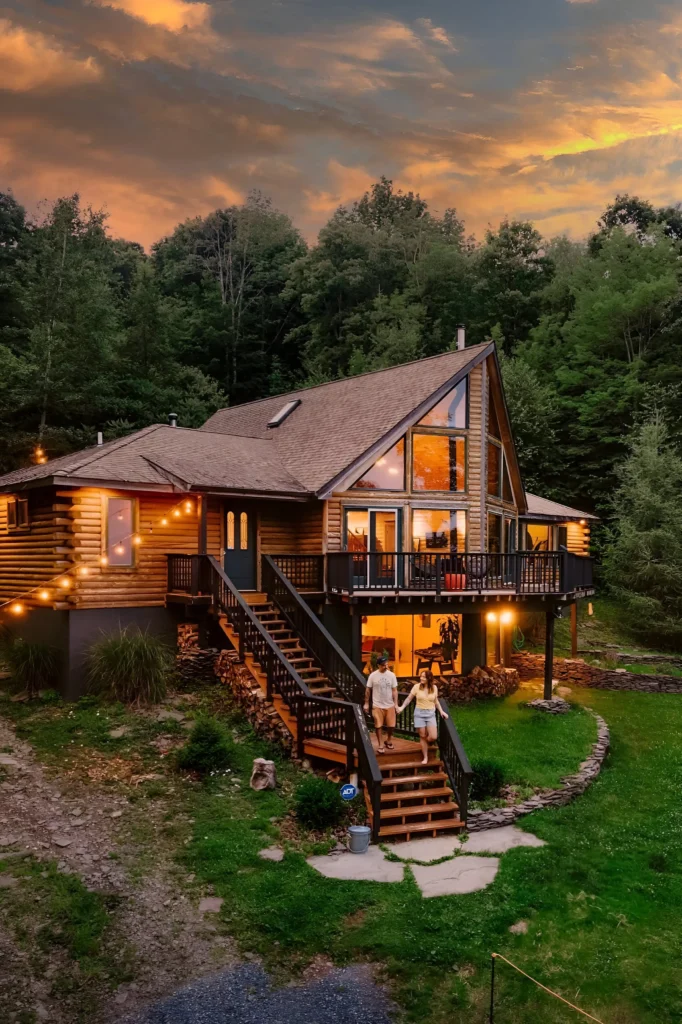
383 687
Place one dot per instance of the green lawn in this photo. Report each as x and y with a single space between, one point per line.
603 898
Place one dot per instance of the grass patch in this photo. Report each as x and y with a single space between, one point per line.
603 898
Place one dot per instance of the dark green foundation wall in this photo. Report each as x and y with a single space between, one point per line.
72 633
346 628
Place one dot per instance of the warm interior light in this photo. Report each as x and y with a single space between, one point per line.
104 560
381 462
17 608
506 618
164 521
65 582
44 595
491 617
393 470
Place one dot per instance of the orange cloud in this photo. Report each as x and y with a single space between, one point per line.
175 15
31 60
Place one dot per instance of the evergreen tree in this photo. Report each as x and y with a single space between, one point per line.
643 561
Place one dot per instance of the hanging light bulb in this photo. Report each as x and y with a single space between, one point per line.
65 582
164 521
137 539
103 560
44 595
17 608
176 512
119 549
188 506
83 571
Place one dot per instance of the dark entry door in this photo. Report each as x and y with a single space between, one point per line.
240 545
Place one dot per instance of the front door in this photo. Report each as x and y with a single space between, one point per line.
240 545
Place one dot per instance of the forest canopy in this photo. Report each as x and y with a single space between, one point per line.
96 334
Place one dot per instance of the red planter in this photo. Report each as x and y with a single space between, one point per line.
455 581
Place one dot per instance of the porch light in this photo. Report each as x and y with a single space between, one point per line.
583 522
17 608
491 616
506 618
44 595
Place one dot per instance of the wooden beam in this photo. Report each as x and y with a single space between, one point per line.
202 548
549 652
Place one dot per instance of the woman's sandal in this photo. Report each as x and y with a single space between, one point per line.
389 746
380 750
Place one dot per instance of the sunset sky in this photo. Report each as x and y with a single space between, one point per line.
160 110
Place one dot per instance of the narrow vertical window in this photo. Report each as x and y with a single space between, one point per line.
120 524
230 531
243 531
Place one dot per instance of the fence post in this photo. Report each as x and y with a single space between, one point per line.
194 585
492 989
350 739
300 737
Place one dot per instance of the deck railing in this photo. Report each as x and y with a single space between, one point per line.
306 572
536 572
346 676
455 760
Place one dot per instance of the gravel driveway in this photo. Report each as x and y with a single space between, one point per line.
246 996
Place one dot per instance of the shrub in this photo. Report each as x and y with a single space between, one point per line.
318 803
487 781
207 750
131 666
33 666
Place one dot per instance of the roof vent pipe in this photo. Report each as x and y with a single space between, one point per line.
461 338
172 419
100 437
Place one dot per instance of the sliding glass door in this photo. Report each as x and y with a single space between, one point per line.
373 535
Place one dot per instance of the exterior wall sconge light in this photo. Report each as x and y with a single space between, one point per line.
506 618
491 617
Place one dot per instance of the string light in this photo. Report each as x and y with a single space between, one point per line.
64 581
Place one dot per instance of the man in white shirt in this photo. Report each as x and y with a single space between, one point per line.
383 686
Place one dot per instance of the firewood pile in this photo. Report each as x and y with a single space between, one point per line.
492 681
250 698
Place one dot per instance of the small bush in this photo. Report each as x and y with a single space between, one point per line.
131 666
318 803
33 666
207 750
488 780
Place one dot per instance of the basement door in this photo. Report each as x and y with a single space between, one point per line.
240 545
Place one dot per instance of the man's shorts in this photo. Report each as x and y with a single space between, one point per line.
384 718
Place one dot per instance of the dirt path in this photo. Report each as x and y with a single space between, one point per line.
92 833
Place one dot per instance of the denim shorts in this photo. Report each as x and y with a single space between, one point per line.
423 718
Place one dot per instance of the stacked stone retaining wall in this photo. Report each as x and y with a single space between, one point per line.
578 673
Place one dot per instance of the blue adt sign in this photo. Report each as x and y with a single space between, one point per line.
348 791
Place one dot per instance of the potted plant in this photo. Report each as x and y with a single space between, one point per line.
449 629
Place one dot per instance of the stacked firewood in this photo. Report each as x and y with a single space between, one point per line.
492 681
250 698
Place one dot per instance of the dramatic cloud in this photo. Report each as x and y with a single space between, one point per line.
164 109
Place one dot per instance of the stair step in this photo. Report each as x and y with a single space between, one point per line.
420 826
398 780
407 812
322 690
393 766
304 658
276 632
417 794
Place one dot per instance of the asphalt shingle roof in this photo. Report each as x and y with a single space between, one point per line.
544 507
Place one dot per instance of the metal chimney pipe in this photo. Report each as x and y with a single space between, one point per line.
100 437
172 419
461 338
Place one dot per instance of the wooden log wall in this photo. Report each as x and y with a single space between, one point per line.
476 475
30 558
291 528
578 538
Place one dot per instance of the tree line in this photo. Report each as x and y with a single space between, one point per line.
96 334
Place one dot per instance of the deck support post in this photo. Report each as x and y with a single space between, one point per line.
574 630
549 651
202 540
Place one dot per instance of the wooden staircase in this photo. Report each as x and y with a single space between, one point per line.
416 799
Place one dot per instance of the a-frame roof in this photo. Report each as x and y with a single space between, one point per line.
338 425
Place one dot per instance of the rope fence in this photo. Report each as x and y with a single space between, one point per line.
498 956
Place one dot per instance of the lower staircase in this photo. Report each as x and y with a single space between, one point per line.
416 799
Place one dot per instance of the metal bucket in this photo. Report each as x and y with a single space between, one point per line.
359 836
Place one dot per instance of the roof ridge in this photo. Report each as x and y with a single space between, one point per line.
355 376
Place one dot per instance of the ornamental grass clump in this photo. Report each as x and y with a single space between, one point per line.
318 803
33 666
131 666
208 750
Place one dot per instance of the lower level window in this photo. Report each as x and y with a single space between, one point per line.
120 527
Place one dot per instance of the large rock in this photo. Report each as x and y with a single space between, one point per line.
264 774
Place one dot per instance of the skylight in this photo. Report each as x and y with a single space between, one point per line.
284 412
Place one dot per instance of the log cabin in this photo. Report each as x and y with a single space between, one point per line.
383 513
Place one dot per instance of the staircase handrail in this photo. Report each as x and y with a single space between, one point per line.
369 769
454 758
346 676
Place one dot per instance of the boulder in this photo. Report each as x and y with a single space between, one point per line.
263 775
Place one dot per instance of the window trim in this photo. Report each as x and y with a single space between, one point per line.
451 512
20 515
135 521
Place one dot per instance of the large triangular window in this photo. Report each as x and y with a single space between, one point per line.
387 473
451 411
